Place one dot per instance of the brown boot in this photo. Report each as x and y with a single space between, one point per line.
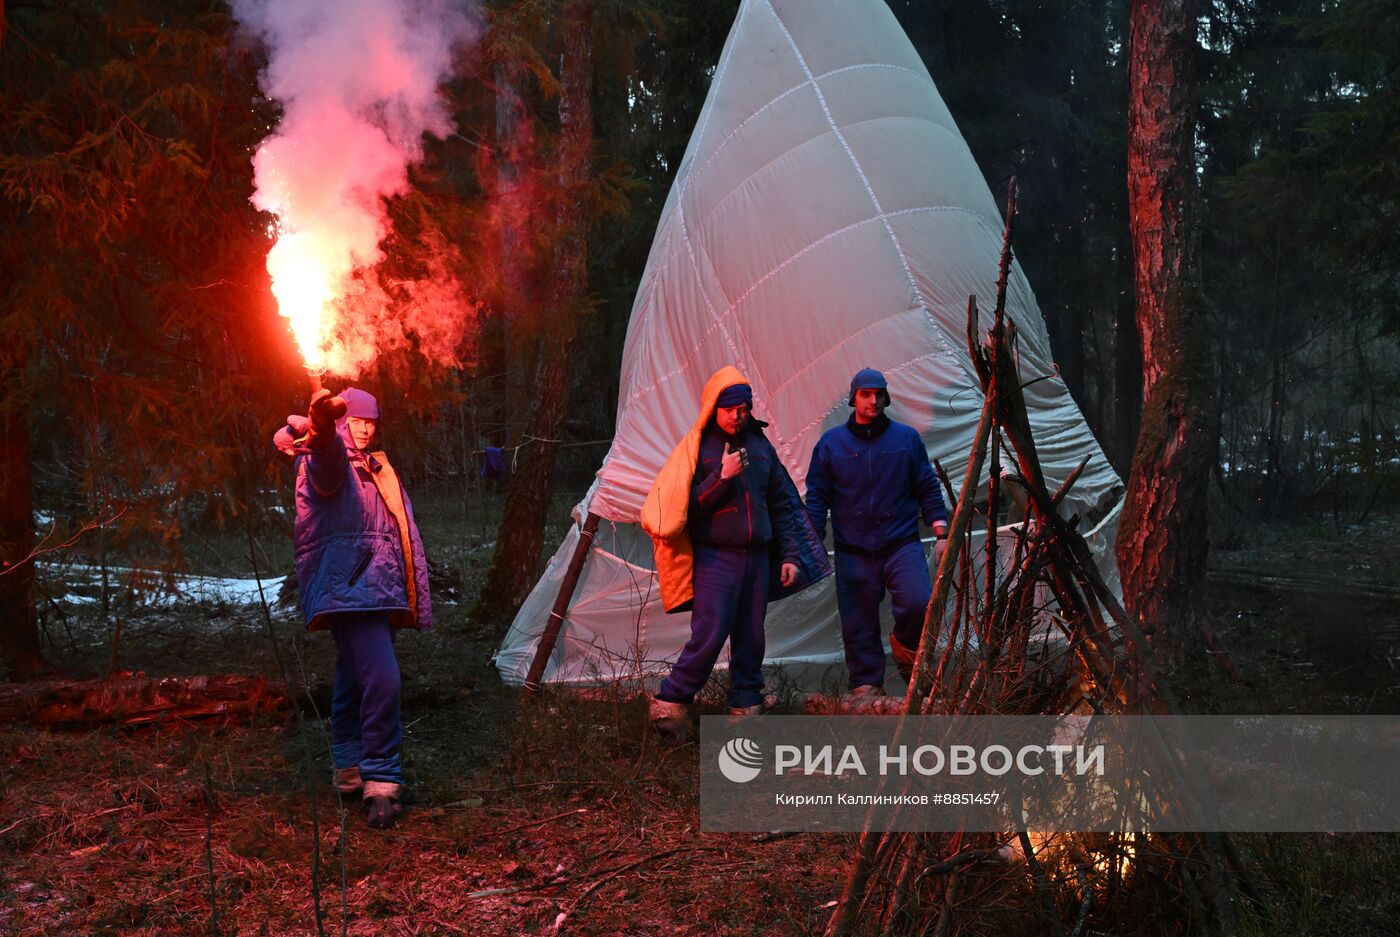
903 658
382 803
757 709
672 720
348 781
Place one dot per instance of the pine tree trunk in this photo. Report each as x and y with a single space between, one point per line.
516 315
19 636
515 562
1162 539
1127 381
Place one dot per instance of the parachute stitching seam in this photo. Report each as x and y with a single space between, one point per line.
791 91
865 180
689 357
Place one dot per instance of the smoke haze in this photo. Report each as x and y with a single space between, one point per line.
358 84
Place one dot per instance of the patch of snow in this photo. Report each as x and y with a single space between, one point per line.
228 591
214 589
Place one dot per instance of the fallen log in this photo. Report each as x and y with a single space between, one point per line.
135 699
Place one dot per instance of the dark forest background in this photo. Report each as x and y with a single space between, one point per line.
145 369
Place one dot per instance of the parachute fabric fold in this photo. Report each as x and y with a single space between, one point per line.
827 216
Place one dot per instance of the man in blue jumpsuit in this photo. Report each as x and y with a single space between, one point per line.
733 520
729 534
873 475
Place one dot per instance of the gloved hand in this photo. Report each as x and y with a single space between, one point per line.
732 462
286 438
324 411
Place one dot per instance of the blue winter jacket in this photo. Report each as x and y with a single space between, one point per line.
348 546
759 506
735 512
876 489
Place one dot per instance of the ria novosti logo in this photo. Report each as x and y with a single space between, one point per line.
740 760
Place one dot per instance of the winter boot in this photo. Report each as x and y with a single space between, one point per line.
672 720
382 803
348 781
904 658
869 689
757 709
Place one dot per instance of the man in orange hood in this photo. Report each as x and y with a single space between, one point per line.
730 534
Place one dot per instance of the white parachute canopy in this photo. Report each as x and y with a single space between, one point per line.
827 216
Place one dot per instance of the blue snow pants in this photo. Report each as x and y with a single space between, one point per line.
861 582
731 602
366 727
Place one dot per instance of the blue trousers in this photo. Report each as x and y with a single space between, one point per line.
366 727
861 582
731 601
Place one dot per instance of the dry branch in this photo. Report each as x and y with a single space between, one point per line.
1105 664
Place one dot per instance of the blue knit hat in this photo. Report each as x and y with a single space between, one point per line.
360 403
735 394
869 379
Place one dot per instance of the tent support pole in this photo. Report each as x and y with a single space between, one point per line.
561 605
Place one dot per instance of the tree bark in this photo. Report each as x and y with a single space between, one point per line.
515 562
516 315
19 635
1127 382
1162 539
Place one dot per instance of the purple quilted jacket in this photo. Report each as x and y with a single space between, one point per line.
348 549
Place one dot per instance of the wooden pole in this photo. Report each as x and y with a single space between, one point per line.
561 605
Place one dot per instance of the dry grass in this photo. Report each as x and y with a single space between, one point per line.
582 821
567 806
564 807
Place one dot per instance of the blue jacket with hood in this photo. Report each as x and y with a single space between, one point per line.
682 487
349 546
745 511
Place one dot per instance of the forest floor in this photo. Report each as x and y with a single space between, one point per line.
565 814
